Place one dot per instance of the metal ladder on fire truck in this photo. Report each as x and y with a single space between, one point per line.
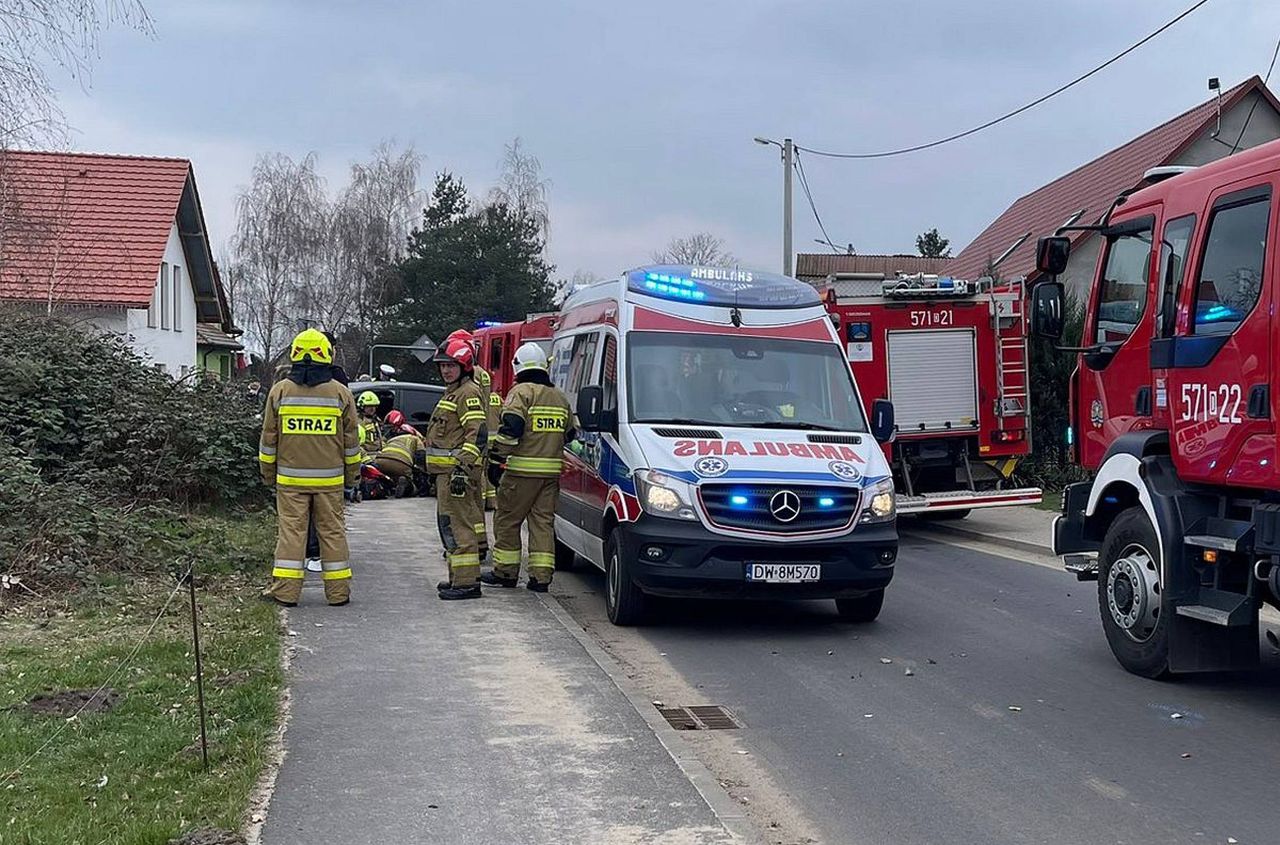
1009 318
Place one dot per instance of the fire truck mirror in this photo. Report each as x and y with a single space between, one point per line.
882 423
1052 254
1047 317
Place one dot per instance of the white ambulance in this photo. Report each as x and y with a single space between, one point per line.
722 450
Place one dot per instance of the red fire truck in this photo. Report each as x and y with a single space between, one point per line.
951 355
496 345
1174 404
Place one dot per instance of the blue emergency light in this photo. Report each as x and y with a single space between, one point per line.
676 287
487 324
826 502
738 501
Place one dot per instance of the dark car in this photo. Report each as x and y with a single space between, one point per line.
415 401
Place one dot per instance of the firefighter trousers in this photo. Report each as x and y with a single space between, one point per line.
476 493
458 517
294 510
523 499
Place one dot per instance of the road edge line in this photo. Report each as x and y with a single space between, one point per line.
727 812
1025 546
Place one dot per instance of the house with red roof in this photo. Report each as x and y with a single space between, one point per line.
121 242
1246 116
816 267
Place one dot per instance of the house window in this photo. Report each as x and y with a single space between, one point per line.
177 298
153 310
166 312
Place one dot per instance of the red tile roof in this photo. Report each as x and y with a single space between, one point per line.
86 228
816 266
1091 187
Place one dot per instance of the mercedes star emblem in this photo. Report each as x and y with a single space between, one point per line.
785 506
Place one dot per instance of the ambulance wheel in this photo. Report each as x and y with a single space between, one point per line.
624 601
861 609
946 516
566 558
1130 595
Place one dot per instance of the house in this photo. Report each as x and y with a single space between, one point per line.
815 267
119 241
1248 112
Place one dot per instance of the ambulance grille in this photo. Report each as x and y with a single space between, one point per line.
746 506
689 433
847 439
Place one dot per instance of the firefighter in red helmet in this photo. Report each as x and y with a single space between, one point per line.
457 436
485 493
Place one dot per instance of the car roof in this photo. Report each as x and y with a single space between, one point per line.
394 385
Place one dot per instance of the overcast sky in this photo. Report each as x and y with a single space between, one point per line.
643 113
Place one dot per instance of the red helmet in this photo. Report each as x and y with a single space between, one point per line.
395 419
456 351
459 334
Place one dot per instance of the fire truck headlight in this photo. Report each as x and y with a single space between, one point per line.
881 506
662 495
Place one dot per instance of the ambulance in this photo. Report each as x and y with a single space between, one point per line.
723 450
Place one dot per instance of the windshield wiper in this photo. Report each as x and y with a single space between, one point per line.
807 426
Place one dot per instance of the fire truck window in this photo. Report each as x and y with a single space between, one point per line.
609 374
496 359
1122 296
1230 277
1173 266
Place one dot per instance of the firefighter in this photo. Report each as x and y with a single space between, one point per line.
371 437
398 458
537 424
310 453
457 437
485 492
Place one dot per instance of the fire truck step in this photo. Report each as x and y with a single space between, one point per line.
1218 607
1084 566
1227 535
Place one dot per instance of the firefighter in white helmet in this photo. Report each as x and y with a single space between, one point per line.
524 465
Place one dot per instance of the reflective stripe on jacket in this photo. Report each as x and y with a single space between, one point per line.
458 432
310 438
536 425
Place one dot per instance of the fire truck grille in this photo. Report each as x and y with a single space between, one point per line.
779 509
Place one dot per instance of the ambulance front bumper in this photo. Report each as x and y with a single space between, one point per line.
676 558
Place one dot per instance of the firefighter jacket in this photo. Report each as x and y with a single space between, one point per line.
371 435
403 448
536 426
310 440
459 431
494 411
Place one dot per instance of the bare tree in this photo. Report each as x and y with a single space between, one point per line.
699 248
280 229
34 33
522 187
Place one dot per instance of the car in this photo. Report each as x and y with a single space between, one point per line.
416 401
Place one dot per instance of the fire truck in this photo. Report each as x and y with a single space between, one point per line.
1173 405
496 345
951 355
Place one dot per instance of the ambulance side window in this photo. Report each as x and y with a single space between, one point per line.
581 365
561 356
1231 266
609 373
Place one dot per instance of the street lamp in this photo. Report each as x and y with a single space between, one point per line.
787 154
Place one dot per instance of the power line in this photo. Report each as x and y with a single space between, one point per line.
1249 116
918 147
804 184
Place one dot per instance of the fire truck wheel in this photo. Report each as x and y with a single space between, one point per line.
1130 598
566 558
946 516
862 609
624 601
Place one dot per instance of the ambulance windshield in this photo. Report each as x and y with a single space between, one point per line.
741 381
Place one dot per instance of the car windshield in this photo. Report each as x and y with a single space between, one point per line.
746 381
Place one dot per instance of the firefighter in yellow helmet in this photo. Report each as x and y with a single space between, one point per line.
371 436
537 424
310 452
457 437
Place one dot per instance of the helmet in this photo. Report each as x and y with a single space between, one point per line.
456 351
368 398
395 419
459 334
311 343
530 356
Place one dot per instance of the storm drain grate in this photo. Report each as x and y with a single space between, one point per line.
708 717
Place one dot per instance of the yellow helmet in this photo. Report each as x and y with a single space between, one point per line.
313 344
367 398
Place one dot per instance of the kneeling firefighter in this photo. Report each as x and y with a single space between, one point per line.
310 452
398 458
536 426
457 437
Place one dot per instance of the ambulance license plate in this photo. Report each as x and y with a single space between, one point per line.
784 573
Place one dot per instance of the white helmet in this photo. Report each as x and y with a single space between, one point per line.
530 357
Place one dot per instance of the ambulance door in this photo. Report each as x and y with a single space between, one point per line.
1220 363
1114 385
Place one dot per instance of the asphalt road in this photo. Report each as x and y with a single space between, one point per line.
871 754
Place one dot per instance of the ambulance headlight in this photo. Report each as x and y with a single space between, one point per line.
663 495
881 505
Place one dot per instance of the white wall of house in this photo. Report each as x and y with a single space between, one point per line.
166 332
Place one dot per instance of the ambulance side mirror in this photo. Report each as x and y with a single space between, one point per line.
1047 307
1052 254
882 420
592 415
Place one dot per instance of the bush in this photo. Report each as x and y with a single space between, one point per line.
105 457
1050 465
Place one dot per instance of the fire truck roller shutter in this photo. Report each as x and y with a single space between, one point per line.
933 380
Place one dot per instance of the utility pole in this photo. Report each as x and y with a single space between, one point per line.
788 164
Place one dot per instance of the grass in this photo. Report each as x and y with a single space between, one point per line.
133 774
1052 501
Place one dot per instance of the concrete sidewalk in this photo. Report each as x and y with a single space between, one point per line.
1024 529
466 723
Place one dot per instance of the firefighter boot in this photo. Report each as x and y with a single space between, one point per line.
459 593
493 579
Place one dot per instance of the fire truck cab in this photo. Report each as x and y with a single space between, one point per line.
496 345
1174 405
951 355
